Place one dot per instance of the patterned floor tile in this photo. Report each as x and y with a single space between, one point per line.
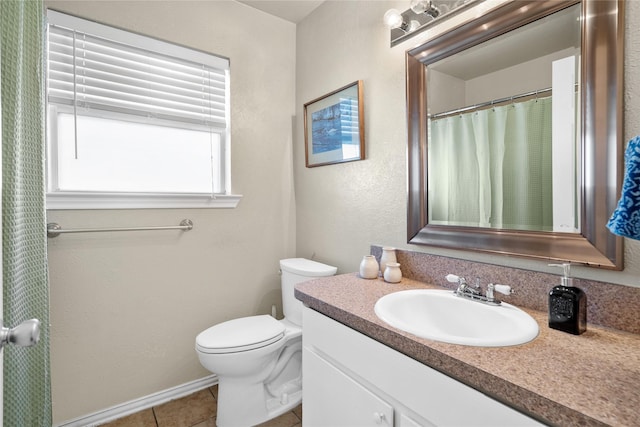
298 411
187 411
211 422
196 410
139 419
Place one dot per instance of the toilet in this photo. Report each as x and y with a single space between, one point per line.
258 359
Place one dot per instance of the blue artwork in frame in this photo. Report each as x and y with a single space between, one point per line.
334 127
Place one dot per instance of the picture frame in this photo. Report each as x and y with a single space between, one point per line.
334 127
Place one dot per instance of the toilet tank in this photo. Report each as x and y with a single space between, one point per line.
298 270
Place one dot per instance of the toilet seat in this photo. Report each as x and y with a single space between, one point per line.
243 334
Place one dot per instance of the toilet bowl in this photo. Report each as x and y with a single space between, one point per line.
258 359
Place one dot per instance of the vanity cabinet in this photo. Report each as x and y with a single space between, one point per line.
352 380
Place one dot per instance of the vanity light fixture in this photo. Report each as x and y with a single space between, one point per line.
420 15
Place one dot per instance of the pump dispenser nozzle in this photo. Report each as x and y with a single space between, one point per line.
566 279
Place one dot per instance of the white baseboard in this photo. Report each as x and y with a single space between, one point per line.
136 405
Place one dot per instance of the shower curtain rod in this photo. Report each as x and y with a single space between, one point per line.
54 229
488 104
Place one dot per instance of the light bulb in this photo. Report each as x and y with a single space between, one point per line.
413 25
420 6
392 19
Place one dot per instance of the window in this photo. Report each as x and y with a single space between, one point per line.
134 122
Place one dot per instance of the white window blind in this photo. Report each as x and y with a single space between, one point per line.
103 73
174 99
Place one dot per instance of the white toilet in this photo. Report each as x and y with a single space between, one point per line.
258 359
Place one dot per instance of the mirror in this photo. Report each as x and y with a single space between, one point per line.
553 202
502 116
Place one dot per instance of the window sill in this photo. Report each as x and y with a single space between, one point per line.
82 200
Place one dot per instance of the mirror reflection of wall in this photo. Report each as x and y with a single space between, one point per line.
503 130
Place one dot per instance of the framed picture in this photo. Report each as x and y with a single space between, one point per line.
334 127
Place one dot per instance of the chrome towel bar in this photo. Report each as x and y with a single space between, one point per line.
54 229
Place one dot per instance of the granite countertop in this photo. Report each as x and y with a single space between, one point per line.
560 379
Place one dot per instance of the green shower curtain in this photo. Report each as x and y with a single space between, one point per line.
493 167
27 391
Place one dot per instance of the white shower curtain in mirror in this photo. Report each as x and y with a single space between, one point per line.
492 167
27 395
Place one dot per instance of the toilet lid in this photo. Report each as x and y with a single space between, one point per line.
245 333
307 267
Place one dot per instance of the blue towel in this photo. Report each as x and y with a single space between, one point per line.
625 220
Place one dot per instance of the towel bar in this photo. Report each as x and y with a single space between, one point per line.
54 229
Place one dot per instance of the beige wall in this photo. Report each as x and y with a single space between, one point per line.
126 307
344 208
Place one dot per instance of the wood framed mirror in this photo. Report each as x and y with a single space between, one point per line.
599 136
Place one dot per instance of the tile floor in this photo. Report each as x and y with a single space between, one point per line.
196 410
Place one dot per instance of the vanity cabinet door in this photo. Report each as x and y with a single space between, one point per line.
334 399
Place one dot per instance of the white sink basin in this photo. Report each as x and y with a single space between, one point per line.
443 316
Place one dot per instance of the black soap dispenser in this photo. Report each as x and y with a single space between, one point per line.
567 305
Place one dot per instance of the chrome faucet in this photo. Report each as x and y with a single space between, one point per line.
463 287
464 290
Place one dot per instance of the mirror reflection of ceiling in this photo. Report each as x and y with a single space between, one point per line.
292 10
545 36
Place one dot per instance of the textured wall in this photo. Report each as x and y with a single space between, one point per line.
342 209
126 307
